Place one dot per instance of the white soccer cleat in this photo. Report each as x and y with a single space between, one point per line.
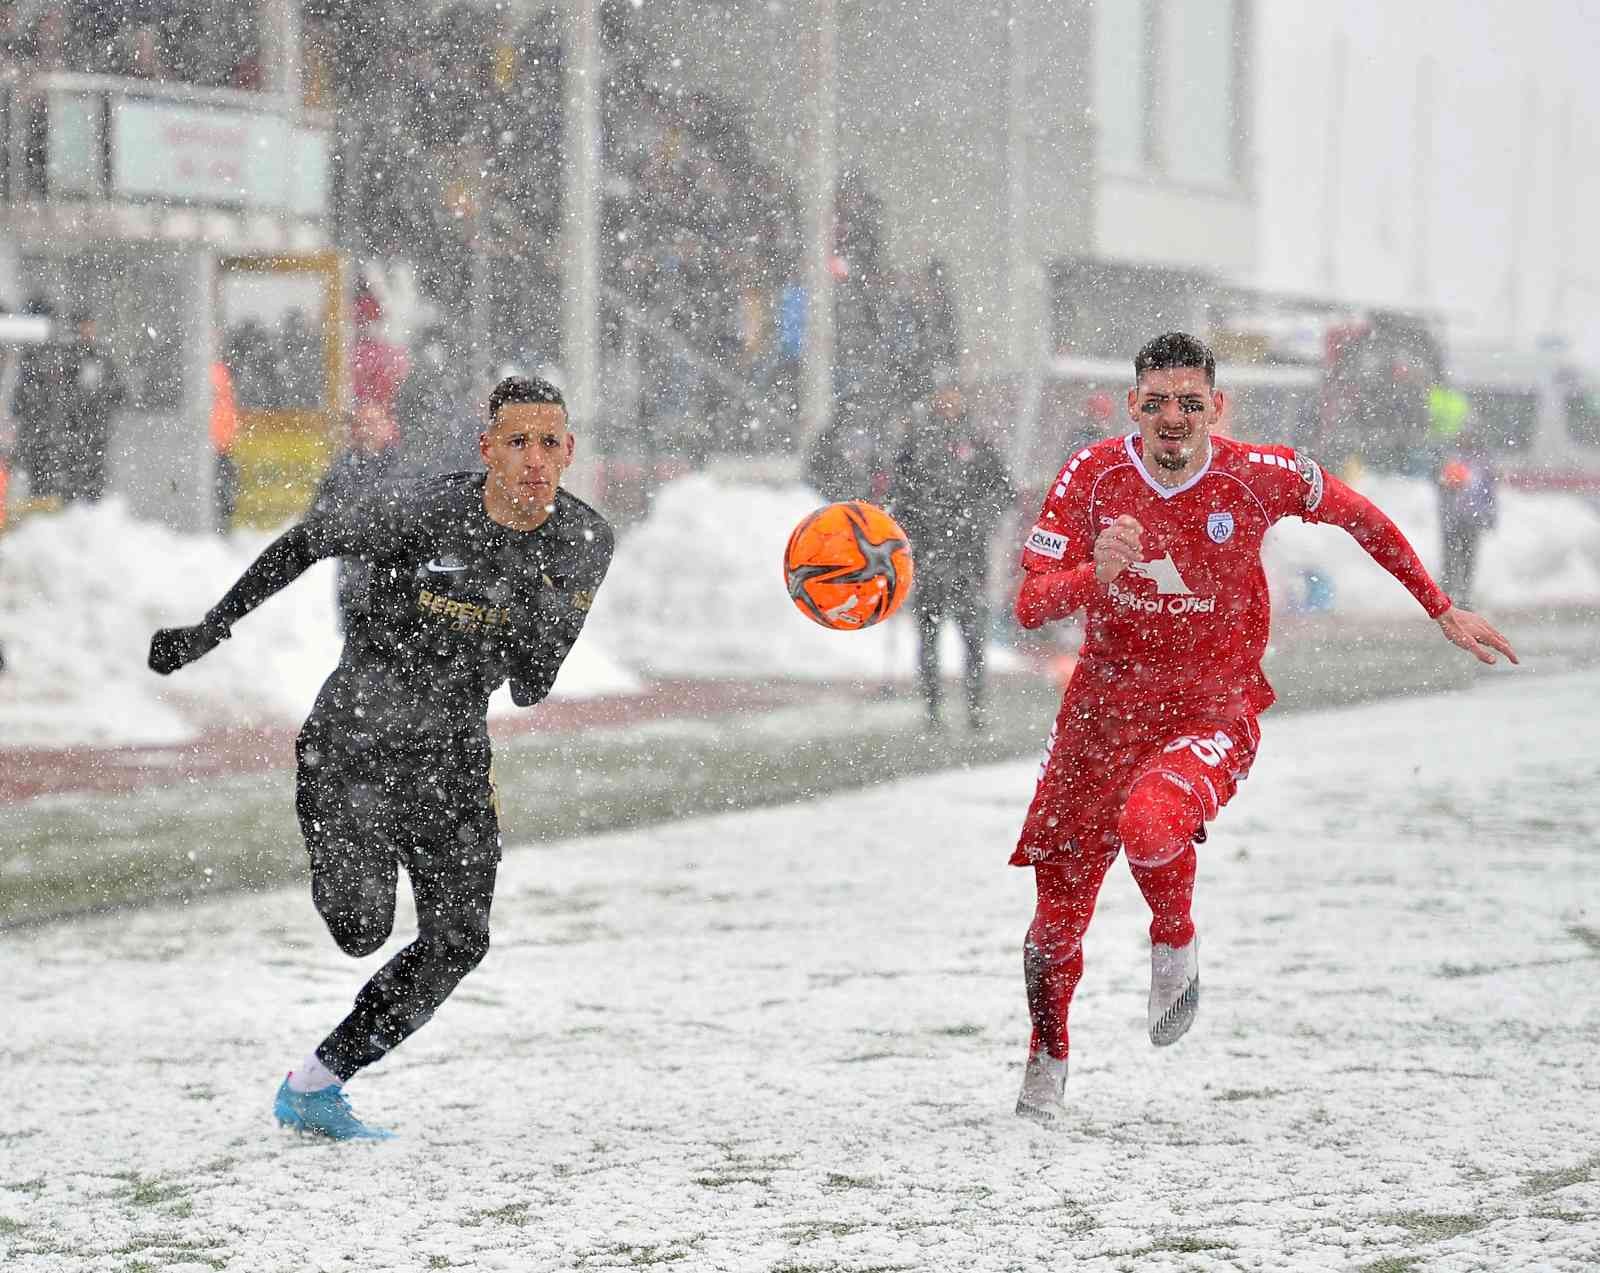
1174 990
1044 1088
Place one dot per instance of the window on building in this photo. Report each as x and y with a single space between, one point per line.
1121 81
1197 106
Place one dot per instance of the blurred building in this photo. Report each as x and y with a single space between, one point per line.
148 153
1082 168
1007 183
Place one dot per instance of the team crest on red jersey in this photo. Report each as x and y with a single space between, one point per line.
1220 527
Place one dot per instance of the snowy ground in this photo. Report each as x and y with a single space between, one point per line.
790 1039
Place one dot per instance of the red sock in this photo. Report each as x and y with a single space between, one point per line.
1157 829
1169 890
1053 954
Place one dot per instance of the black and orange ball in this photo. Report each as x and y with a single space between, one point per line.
848 566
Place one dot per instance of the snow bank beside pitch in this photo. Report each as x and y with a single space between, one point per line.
697 588
81 592
1544 551
696 591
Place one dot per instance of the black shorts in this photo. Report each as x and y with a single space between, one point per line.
434 812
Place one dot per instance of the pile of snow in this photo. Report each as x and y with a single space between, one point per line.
81 592
1544 550
696 591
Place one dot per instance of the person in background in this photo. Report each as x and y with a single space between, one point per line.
948 491
37 405
1468 507
359 471
846 462
224 434
93 391
437 432
378 366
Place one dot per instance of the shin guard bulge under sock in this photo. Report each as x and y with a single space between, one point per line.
1053 952
1157 829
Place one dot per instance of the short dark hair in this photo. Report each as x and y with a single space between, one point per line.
1175 349
524 389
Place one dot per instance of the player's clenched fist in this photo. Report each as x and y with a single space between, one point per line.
172 648
1116 548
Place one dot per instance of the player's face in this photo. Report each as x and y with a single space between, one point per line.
527 449
1174 409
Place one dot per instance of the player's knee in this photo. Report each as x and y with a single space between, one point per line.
1158 821
357 938
356 923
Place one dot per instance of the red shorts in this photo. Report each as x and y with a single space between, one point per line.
1093 761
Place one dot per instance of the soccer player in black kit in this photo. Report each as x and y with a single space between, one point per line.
477 578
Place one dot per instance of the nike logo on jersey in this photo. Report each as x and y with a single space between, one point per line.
1164 574
446 565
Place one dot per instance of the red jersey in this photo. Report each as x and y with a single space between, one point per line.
1182 632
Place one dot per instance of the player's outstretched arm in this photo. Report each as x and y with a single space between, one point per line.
280 563
1048 595
172 648
1475 634
1373 530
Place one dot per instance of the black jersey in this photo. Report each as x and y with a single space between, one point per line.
457 605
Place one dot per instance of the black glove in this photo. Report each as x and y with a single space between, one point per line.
172 648
525 693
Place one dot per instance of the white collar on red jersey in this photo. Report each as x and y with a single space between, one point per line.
1166 492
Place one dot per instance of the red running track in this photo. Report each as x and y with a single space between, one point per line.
27 773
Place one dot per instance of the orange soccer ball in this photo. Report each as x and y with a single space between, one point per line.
848 566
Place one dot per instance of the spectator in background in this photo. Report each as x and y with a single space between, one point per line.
949 490
37 405
93 391
377 366
1468 506
302 361
252 357
13 37
48 50
224 433
437 429
907 353
676 396
363 464
138 54
1097 421
944 328
846 461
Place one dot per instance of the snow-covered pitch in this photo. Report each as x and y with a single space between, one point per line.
791 1039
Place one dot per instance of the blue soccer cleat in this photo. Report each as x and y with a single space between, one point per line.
325 1112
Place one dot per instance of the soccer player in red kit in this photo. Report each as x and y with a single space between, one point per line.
1157 536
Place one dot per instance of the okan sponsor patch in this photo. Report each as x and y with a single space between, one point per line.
1048 543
